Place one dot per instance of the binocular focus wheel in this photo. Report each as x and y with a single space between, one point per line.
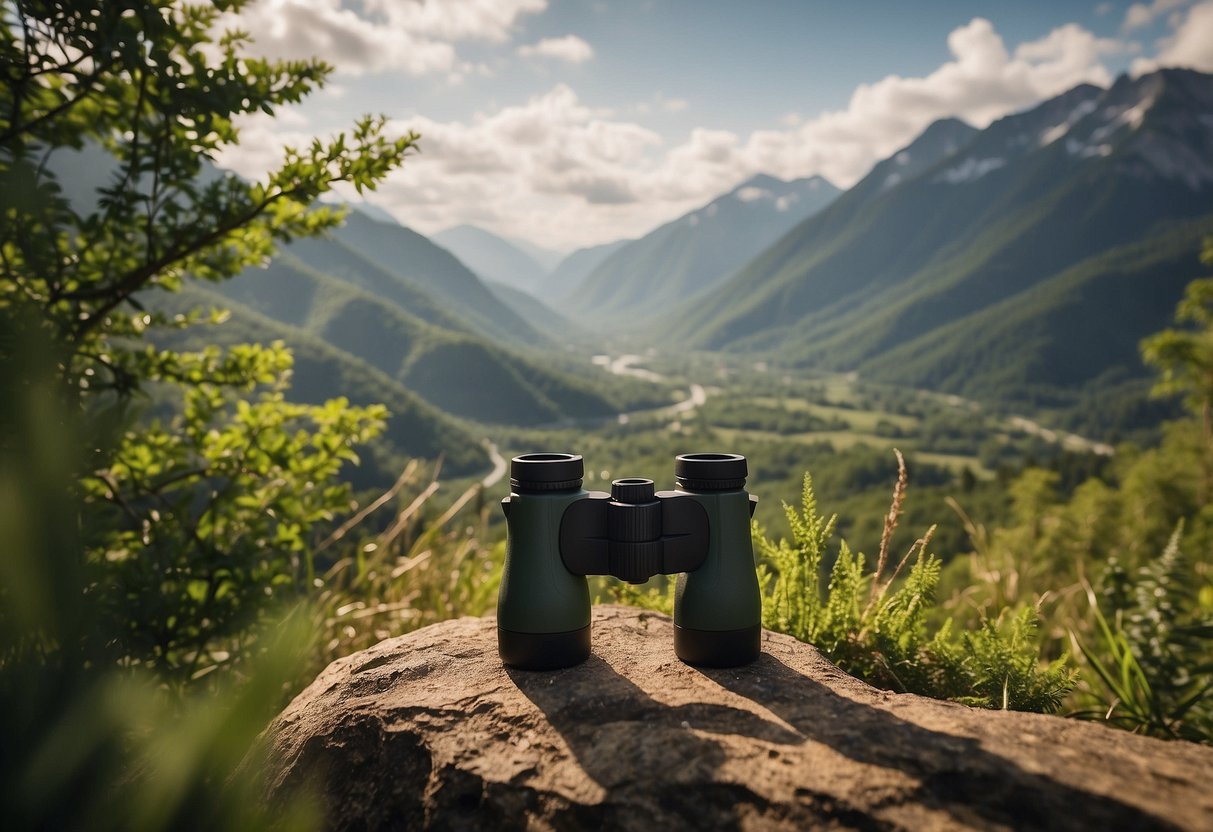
718 648
543 651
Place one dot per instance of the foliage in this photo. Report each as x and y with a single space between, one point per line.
417 570
878 631
1153 662
1185 359
198 522
659 597
1185 356
1090 562
89 744
152 85
194 524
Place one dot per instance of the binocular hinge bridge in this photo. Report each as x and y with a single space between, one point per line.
634 541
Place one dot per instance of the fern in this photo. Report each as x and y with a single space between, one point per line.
1153 662
875 628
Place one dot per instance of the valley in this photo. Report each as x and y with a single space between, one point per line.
968 302
286 287
835 426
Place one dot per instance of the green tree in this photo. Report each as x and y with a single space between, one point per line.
193 523
1184 357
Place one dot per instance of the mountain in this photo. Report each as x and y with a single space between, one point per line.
374 212
322 372
547 258
566 277
543 317
1086 196
940 140
694 253
450 366
491 257
415 264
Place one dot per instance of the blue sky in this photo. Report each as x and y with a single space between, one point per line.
573 122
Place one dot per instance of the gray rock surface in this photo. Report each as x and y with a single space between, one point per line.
430 730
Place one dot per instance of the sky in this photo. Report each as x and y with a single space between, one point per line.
569 123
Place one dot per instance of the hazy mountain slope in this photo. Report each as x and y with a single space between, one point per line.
692 254
420 264
374 212
458 372
537 312
331 256
940 140
322 372
491 257
1026 199
547 258
569 273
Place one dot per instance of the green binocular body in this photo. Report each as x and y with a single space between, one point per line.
559 533
718 607
543 609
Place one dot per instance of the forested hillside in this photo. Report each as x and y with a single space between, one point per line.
255 426
1027 219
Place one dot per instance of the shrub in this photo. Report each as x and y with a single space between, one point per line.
875 627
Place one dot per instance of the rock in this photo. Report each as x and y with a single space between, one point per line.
429 729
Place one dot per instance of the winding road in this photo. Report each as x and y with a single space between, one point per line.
498 463
1070 441
697 396
622 366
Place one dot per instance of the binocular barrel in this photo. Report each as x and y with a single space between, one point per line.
543 609
559 534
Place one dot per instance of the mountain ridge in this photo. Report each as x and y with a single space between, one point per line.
1034 194
491 257
693 253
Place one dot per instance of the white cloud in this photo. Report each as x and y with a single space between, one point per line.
568 48
489 20
983 82
558 172
1189 45
415 36
1143 14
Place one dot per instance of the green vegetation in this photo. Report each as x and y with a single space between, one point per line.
1121 567
140 561
879 633
1026 284
190 532
1151 663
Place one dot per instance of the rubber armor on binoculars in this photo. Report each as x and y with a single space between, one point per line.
559 533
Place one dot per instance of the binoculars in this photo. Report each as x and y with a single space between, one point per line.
559 533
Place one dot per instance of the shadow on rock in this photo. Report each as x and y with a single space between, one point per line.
955 773
618 734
